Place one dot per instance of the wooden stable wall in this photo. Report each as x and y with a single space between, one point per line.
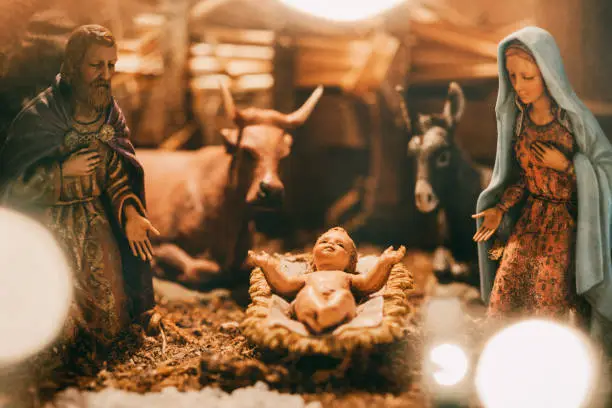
583 33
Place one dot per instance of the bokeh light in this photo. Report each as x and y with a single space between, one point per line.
535 363
343 10
451 364
35 287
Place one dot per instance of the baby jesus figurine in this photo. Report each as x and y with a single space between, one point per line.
324 297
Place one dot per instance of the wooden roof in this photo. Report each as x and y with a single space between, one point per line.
444 44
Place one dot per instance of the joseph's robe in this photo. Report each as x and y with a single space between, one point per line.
87 213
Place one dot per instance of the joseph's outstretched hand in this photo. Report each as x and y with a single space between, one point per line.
137 230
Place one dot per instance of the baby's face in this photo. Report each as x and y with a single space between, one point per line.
332 251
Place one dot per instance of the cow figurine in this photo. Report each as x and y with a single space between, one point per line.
447 183
203 201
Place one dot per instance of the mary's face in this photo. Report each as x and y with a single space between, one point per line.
526 78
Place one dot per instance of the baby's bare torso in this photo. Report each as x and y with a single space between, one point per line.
326 300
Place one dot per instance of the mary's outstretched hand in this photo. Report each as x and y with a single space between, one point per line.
492 218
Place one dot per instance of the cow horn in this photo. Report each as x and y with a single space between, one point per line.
299 116
228 102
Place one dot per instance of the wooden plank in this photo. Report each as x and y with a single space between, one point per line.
321 62
325 78
204 65
238 36
284 73
448 13
455 38
164 112
179 138
206 82
143 45
599 108
371 73
425 55
331 44
501 32
233 51
149 21
243 83
254 82
137 64
455 73
205 7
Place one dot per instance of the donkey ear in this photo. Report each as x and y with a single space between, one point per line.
454 105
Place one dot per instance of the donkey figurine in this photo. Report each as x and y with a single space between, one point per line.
447 183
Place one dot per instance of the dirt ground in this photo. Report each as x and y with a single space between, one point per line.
200 345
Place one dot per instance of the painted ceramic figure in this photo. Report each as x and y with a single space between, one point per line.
68 162
549 194
323 297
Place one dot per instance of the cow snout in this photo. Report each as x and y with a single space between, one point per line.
426 200
269 190
266 195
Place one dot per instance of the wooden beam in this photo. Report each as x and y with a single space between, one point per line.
243 83
143 44
501 32
599 108
331 44
238 36
137 64
204 7
314 61
448 13
254 82
206 82
149 21
371 73
325 78
208 65
456 38
179 138
425 56
233 51
455 73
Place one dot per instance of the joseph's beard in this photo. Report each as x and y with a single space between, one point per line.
95 95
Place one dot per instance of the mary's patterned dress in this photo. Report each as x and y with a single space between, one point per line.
535 276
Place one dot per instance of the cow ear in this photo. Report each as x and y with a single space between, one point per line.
230 139
286 144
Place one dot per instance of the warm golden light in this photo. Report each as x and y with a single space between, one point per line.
343 10
35 288
535 363
451 362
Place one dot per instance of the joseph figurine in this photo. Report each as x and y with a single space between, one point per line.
68 162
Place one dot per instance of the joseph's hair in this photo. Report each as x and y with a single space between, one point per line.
79 42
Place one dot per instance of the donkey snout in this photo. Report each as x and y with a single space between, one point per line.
426 200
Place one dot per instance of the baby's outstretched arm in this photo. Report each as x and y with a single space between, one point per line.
278 281
375 278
